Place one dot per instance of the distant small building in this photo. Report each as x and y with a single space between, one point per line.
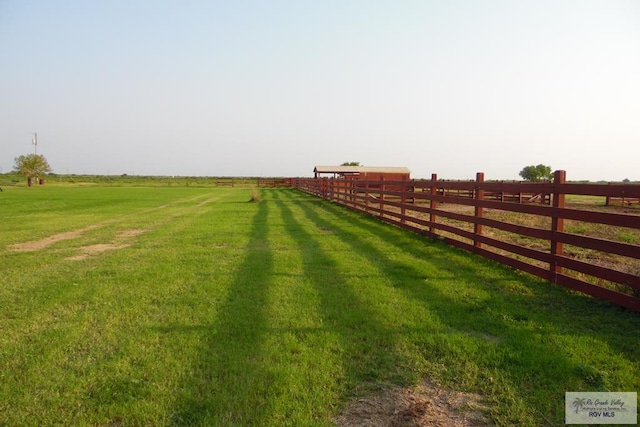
363 173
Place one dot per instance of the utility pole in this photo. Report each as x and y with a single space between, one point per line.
34 141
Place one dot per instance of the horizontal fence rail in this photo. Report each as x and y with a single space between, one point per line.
527 226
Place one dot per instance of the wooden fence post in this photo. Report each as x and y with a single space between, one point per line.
557 224
334 184
432 203
354 193
403 200
479 211
347 192
366 196
382 188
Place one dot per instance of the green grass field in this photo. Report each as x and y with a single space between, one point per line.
191 306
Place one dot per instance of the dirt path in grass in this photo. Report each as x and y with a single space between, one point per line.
422 405
120 241
38 245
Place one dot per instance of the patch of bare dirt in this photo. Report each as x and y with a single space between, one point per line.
87 251
422 405
37 245
130 233
120 242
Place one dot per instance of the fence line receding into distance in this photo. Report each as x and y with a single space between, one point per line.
528 226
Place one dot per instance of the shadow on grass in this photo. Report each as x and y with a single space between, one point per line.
368 355
228 381
531 296
509 343
506 342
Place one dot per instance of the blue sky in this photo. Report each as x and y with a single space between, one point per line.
272 88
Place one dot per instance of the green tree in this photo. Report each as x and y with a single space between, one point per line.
537 173
350 164
32 166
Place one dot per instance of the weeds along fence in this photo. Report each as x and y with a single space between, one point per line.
583 245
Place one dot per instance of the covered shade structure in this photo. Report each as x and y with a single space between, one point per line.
372 173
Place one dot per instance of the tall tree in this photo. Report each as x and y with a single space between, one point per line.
537 173
32 166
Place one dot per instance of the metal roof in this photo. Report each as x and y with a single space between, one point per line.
360 169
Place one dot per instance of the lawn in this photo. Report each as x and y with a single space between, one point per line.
192 306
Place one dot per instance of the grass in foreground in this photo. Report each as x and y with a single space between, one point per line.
222 312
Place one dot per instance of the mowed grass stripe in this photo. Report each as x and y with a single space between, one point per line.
30 215
357 305
79 309
227 379
276 313
503 332
265 361
50 265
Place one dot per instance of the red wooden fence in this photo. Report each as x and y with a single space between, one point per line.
459 211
